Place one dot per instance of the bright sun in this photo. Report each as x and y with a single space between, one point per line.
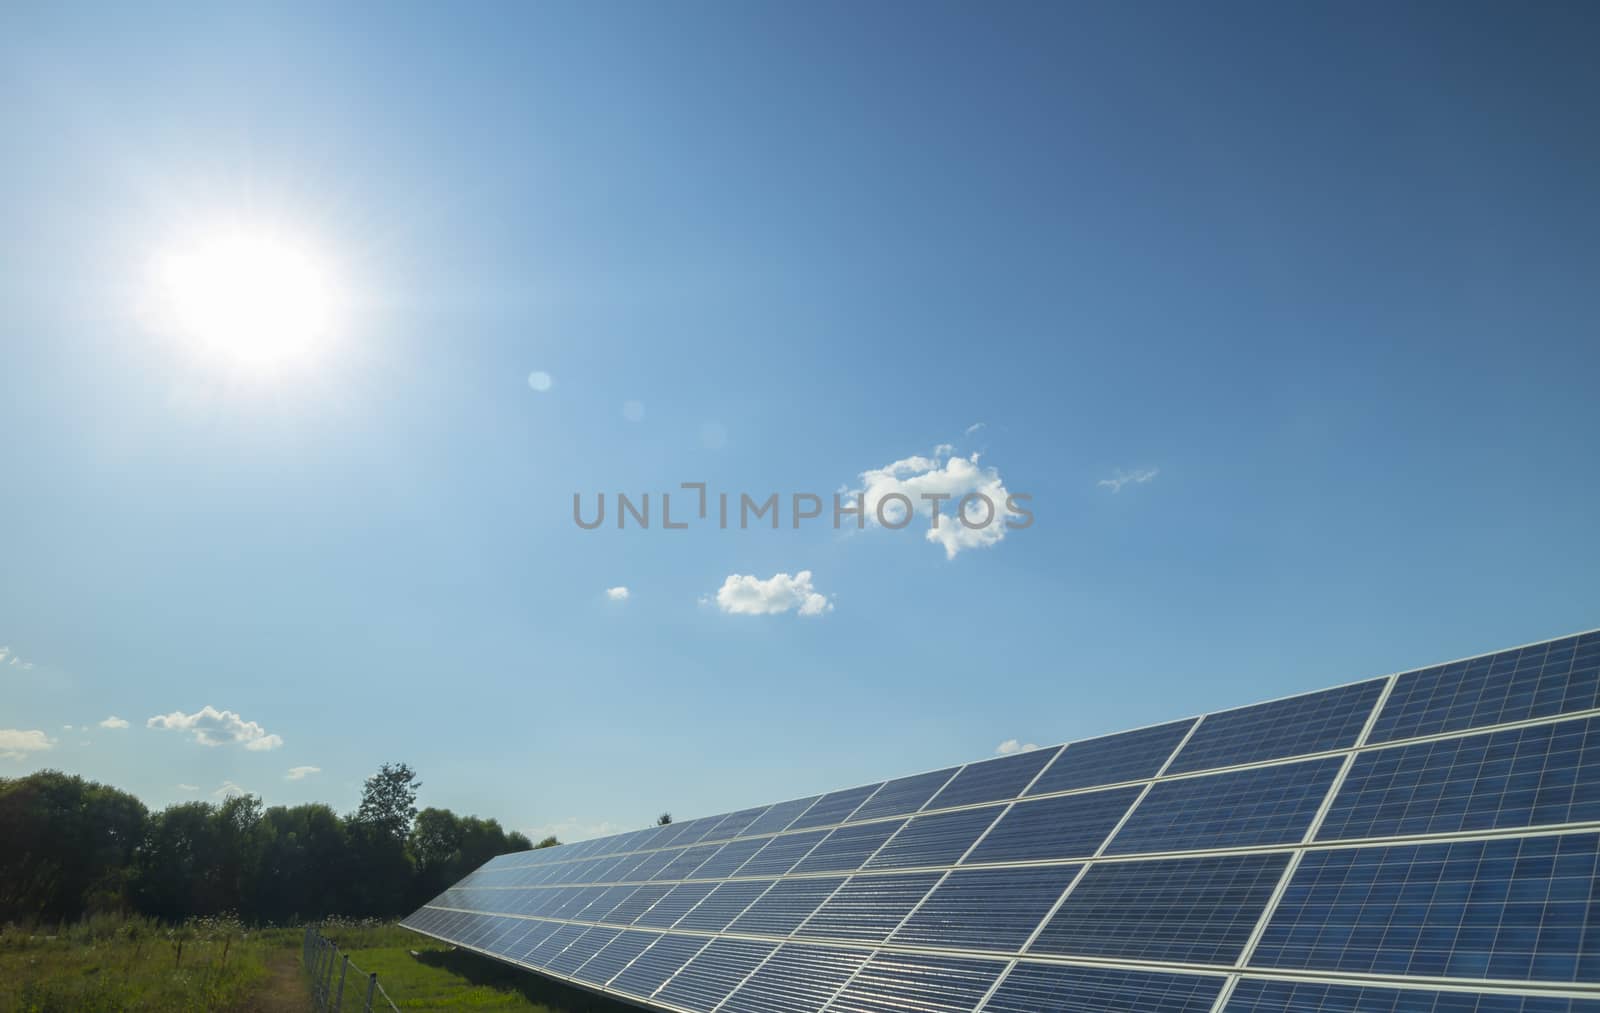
255 297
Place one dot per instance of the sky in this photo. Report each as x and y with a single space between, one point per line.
1283 324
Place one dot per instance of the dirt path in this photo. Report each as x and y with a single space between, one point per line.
285 990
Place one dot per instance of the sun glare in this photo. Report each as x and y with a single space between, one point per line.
256 298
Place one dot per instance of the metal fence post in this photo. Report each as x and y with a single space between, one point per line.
372 986
344 968
327 985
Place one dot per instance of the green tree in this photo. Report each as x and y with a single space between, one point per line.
389 801
663 819
66 846
548 842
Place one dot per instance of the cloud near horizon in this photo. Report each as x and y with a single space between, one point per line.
212 727
16 743
1011 746
113 722
301 773
748 595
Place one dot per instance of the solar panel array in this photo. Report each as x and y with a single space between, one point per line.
1419 843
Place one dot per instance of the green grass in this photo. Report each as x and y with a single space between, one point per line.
439 978
109 963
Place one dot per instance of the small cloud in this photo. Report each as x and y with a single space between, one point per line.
940 484
975 427
751 596
1010 746
618 593
1121 478
301 773
188 787
633 411
113 722
16 744
11 659
572 830
212 727
228 790
540 381
66 728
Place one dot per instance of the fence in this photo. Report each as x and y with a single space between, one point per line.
337 985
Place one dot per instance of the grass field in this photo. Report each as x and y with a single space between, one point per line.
109 964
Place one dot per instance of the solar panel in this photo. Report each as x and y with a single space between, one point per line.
1421 843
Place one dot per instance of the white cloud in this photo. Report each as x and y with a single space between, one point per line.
301 773
188 787
113 722
572 829
1010 746
212 727
228 788
618 593
1121 478
975 427
12 659
16 744
540 381
750 596
949 480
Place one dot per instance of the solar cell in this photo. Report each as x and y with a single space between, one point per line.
714 972
1057 988
1157 853
1261 805
934 839
796 979
1257 995
1519 777
659 961
1069 826
869 907
1507 909
903 795
1312 723
1112 759
1189 910
900 983
614 956
1559 677
986 909
781 909
834 807
846 848
992 780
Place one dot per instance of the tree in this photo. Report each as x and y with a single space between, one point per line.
389 801
66 846
548 842
663 819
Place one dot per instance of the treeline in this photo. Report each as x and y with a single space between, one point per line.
70 847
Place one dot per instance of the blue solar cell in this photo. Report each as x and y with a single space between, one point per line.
635 904
660 961
1263 805
652 864
1112 759
845 849
1259 995
934 839
1313 723
869 907
729 857
664 913
614 956
551 946
531 939
903 795
992 780
1068 826
834 807
782 853
781 909
901 983
582 948
714 972
1518 777
1193 910
603 903
1509 908
684 866
986 909
796 979
734 824
1055 988
779 816
724 904
1559 677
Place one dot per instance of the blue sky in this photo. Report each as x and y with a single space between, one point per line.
1323 275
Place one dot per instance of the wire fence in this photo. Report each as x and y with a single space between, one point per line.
339 986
